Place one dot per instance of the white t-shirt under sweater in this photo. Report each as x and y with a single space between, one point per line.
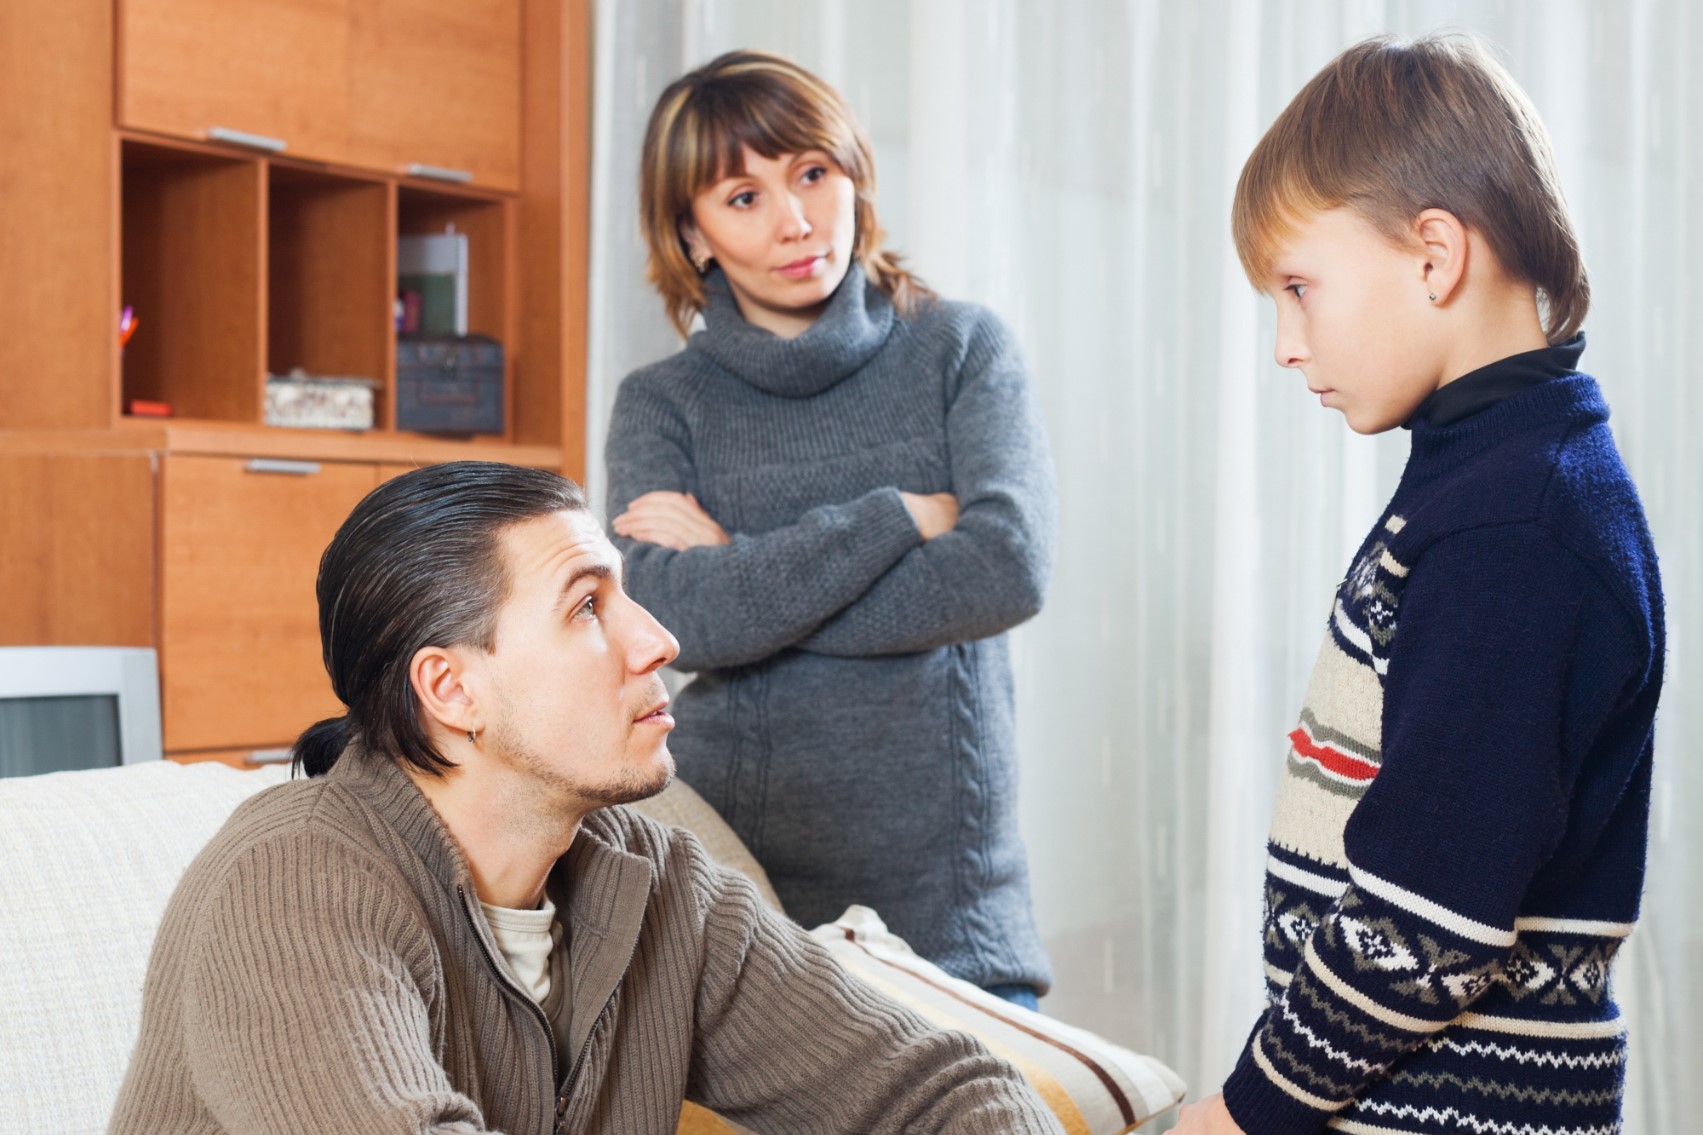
527 938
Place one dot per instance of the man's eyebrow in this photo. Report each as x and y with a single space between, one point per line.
595 571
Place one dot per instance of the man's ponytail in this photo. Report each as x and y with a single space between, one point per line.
319 746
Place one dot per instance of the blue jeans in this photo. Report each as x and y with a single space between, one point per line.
1017 994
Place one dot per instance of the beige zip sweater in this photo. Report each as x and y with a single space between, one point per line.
324 966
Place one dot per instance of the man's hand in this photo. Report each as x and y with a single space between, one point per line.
674 520
934 513
1208 1117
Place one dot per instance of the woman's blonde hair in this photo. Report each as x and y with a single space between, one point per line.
1391 128
697 136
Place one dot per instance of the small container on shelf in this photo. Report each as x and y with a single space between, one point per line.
449 384
303 401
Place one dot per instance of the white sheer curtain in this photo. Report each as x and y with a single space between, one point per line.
1071 165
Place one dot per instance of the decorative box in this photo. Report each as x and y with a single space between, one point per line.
315 402
449 384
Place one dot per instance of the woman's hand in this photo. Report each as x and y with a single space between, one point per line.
1208 1117
934 513
674 520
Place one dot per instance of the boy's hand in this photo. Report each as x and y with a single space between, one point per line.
674 520
1208 1117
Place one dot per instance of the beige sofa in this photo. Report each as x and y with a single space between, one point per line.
92 858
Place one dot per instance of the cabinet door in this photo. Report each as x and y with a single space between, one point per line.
239 625
77 563
436 83
276 68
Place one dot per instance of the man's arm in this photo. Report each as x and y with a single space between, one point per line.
305 1004
740 602
989 572
1488 706
787 1041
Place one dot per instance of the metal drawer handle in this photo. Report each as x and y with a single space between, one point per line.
289 468
244 138
439 173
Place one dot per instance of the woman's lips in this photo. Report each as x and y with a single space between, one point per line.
802 269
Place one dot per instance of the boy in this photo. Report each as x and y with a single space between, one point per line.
1458 842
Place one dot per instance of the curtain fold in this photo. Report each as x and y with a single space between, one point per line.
1072 167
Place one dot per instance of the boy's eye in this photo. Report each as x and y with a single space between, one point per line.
588 609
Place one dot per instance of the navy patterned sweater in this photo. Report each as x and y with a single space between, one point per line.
1458 843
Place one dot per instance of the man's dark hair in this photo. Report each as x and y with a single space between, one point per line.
418 563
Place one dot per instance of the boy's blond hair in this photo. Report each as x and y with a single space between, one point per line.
1390 128
697 135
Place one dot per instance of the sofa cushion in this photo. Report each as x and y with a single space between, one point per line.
92 858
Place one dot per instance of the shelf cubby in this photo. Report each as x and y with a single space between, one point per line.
486 220
330 287
191 266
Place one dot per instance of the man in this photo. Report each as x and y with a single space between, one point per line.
446 929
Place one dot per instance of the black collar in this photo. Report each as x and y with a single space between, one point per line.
1483 388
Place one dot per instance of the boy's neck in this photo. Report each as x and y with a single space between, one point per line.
1504 322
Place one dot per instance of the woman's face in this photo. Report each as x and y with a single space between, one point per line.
782 232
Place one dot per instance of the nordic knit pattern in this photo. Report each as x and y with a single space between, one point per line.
324 966
1458 845
853 714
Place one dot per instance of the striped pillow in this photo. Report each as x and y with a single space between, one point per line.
1093 1086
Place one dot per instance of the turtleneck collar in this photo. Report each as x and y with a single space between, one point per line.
848 333
1572 397
1480 389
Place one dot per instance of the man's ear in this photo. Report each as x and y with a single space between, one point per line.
442 680
1446 251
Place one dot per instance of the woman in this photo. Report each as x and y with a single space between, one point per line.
838 496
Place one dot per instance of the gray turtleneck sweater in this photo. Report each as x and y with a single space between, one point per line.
852 715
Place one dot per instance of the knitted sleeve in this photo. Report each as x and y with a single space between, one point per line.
759 594
990 572
788 1041
305 1007
1507 656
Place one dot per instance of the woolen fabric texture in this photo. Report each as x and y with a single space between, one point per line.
1458 845
324 966
852 715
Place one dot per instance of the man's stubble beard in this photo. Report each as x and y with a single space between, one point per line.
631 787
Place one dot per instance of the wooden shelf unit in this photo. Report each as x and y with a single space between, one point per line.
242 266
165 532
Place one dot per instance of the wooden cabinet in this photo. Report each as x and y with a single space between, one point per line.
239 628
129 530
278 69
76 563
427 88
436 84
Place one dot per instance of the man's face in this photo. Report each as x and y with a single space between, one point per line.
570 696
1351 312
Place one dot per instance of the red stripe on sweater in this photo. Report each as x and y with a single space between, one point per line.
1331 760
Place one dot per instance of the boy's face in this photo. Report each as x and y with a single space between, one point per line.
1353 317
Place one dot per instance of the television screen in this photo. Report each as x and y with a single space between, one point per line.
53 734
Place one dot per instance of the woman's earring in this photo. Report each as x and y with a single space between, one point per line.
472 738
701 263
1432 297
